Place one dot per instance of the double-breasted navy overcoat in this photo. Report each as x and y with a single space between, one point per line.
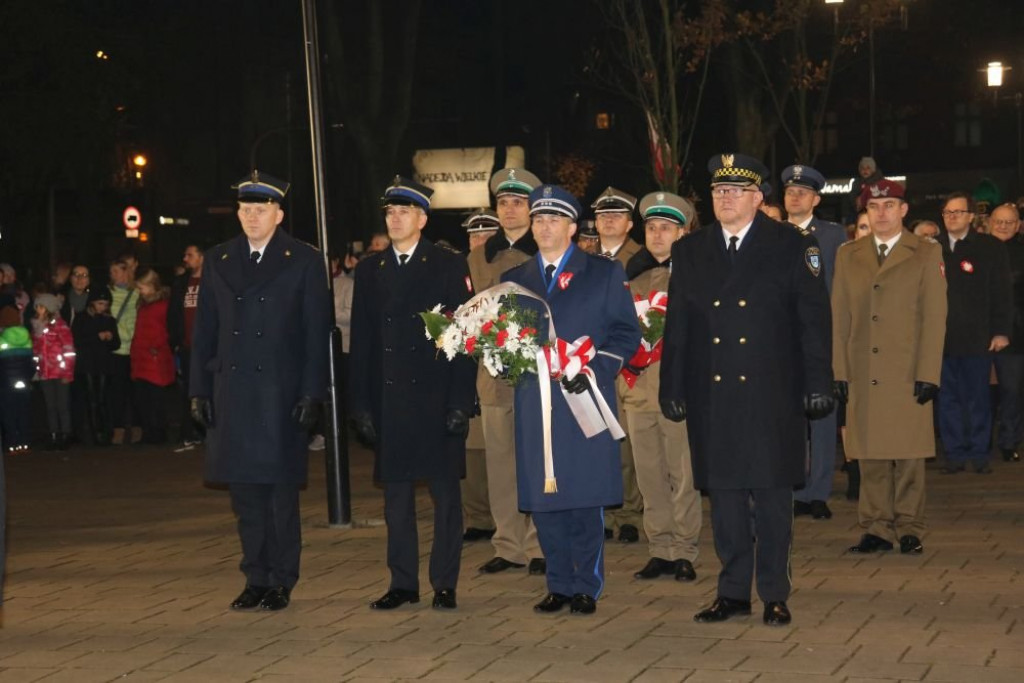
259 344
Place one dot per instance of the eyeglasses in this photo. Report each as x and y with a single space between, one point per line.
730 191
1009 223
79 274
954 212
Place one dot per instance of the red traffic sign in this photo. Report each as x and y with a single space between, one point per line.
132 218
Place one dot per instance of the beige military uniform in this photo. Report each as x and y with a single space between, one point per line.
661 453
632 508
515 538
476 505
889 323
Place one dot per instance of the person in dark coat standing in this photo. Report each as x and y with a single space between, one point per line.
406 397
259 372
1004 224
747 359
978 325
588 295
801 187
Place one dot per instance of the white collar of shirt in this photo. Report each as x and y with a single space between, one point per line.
614 251
410 252
806 222
740 235
257 251
889 243
954 240
553 263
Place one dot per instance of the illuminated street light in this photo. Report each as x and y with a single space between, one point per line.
140 160
995 74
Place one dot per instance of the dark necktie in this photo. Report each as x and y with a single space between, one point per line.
549 272
254 258
732 248
882 249
402 258
607 254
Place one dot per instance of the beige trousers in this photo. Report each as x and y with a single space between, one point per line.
515 537
892 498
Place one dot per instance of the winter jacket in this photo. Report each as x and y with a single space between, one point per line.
151 357
54 350
17 363
95 355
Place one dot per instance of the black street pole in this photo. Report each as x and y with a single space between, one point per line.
339 491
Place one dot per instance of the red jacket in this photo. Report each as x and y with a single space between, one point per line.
151 357
54 350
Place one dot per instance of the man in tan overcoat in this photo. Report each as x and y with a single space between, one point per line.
889 322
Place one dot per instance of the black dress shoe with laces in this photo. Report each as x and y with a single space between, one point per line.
685 571
629 533
654 568
869 543
396 597
277 598
776 614
249 598
538 567
801 508
583 604
552 602
911 545
722 609
499 564
819 510
444 599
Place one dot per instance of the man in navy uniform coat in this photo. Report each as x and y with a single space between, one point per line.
747 358
406 397
801 188
587 295
259 371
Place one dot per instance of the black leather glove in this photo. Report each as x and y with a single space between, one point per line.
841 390
201 410
363 424
576 385
305 412
817 406
456 422
634 369
925 391
674 410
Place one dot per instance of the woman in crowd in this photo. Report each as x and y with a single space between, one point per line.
96 339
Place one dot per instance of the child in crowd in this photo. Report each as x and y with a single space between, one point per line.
55 361
17 366
152 362
96 339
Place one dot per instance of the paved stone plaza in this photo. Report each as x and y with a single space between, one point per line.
121 565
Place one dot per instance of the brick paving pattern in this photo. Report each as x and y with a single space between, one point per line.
121 565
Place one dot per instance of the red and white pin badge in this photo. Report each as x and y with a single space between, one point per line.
563 280
966 266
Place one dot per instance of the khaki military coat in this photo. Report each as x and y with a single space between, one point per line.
889 323
643 397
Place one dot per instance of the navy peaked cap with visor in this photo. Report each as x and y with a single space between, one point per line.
407 192
553 199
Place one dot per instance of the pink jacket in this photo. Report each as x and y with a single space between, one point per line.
54 350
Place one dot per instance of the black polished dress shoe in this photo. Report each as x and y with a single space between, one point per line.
952 469
776 614
1010 455
869 543
608 534
911 545
444 599
538 567
476 534
628 534
819 510
249 598
583 604
654 568
801 508
498 564
552 602
685 571
722 609
396 597
277 598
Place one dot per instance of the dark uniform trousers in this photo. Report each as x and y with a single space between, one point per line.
403 540
270 529
965 409
768 547
1010 373
822 460
573 545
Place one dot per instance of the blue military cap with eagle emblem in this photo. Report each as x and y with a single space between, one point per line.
555 200
260 187
804 176
405 192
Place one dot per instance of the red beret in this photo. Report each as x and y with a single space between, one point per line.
882 189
